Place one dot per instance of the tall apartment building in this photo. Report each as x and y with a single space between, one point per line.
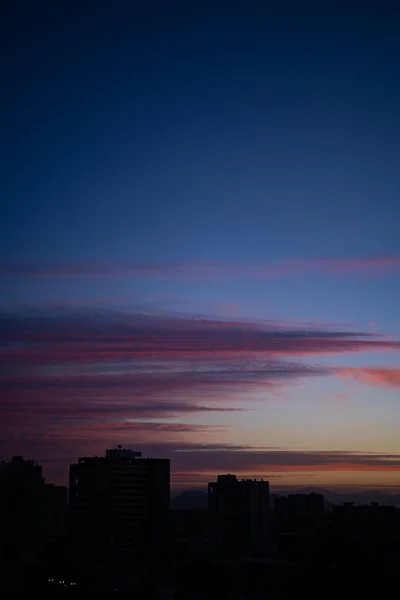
239 518
119 507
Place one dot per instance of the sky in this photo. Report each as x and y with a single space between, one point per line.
199 242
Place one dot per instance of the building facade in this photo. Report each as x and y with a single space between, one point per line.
239 518
119 507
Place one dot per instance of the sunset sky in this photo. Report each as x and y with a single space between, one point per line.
200 237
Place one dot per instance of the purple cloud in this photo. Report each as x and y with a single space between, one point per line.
204 271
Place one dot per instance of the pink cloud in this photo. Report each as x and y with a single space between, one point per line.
380 377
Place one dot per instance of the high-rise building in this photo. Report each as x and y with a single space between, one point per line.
239 517
119 507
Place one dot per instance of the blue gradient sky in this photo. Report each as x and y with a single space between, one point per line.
142 136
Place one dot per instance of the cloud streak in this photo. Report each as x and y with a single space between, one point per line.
369 265
153 356
198 462
106 334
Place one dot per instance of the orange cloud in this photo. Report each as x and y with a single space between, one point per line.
379 377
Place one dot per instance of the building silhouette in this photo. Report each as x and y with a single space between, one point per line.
119 508
239 518
298 513
31 512
365 521
22 516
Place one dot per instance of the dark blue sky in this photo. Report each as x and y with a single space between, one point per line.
258 143
229 132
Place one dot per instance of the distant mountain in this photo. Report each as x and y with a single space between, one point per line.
189 499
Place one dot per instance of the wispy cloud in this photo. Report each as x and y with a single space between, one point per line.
221 456
157 356
83 378
205 462
373 265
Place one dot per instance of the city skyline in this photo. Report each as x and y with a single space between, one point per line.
199 250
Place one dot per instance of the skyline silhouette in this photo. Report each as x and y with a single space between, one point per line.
118 533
